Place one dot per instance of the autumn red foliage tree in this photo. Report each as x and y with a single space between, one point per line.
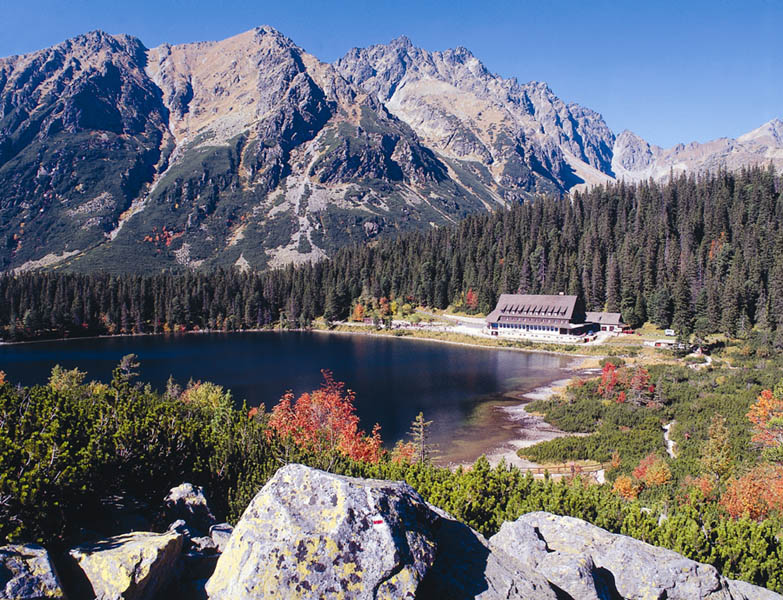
756 494
767 417
324 421
609 379
625 384
358 312
471 300
652 470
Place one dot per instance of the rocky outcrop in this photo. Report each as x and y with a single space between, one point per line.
220 534
466 567
311 534
188 503
27 573
315 535
134 566
585 561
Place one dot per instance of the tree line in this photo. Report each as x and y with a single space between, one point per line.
699 254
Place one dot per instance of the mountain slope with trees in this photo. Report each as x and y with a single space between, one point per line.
700 255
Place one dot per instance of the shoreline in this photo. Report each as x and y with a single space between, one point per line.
422 338
528 429
488 346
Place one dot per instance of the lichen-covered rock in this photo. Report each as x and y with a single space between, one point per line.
586 561
27 573
188 502
134 566
741 590
220 534
311 534
466 568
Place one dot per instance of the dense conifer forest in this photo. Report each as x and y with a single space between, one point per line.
700 255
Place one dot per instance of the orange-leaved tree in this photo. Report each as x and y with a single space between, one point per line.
324 422
358 312
756 494
767 417
626 487
652 470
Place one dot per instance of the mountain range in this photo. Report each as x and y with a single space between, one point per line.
252 152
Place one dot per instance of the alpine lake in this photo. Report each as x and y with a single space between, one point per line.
467 392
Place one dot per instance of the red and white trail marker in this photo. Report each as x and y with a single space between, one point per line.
377 521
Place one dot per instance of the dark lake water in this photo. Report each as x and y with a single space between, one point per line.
394 378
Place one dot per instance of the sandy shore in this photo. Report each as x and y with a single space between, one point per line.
529 429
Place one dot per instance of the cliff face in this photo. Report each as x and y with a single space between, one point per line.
81 131
250 151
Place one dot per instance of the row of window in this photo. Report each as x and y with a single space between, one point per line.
527 327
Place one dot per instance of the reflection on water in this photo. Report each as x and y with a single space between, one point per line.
456 387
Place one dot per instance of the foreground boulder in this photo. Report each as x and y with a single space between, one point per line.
585 561
467 568
134 566
310 534
27 573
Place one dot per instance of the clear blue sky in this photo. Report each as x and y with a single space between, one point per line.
672 71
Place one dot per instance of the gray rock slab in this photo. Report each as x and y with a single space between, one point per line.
133 566
27 573
621 566
311 534
188 502
466 568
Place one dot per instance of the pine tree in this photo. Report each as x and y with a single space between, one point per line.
419 435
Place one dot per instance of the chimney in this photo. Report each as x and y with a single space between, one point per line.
561 294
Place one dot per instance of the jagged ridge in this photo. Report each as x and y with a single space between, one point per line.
250 151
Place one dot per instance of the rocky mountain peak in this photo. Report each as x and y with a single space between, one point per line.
458 107
631 152
251 151
402 41
769 133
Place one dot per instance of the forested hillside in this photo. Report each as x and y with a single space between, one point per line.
701 255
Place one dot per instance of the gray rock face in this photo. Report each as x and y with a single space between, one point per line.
741 590
188 503
27 573
312 534
315 535
634 159
586 561
463 111
134 566
466 568
220 534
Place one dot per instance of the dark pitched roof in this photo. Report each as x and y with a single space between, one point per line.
527 305
604 318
